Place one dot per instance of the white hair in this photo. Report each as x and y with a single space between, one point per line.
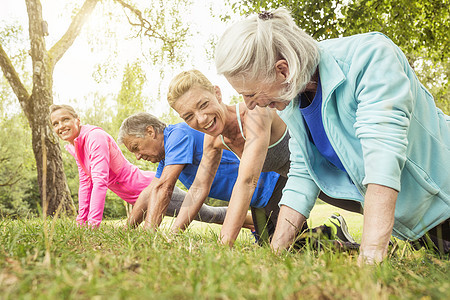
251 47
136 126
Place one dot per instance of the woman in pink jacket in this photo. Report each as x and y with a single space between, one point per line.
101 165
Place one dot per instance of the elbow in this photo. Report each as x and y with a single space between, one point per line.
250 182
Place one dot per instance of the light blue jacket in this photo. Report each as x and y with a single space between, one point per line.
385 128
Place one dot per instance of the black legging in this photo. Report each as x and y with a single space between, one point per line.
265 218
436 239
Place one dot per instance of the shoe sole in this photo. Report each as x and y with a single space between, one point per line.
344 228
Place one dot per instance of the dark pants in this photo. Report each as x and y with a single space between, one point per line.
265 218
437 239
349 205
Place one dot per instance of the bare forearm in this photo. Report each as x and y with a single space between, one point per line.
137 215
288 225
234 220
157 206
379 210
139 210
236 212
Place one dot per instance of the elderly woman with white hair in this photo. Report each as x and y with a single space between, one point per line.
362 128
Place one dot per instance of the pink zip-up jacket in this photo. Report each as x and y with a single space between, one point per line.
101 165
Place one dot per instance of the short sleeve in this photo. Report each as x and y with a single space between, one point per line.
179 148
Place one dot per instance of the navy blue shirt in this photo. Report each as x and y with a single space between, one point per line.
184 146
312 114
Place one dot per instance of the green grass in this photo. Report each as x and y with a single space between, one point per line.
113 263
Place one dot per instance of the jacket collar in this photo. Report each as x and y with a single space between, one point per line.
331 74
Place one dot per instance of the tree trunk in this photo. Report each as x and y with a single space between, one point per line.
51 177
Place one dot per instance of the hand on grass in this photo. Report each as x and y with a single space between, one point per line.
370 257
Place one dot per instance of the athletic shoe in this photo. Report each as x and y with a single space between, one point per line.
255 235
339 228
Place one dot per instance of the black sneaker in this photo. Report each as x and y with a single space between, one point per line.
339 228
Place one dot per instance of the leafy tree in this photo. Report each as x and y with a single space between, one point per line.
420 28
316 17
131 99
412 24
35 100
171 117
17 171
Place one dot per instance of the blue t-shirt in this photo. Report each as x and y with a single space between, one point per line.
312 114
184 145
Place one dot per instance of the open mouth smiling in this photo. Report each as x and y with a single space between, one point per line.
209 124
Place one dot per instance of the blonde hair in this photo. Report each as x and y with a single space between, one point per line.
251 48
184 81
70 109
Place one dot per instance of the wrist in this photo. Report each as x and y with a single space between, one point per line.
372 254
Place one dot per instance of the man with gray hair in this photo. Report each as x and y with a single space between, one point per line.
178 149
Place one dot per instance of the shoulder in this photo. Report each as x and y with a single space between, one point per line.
356 40
358 46
90 132
181 134
179 129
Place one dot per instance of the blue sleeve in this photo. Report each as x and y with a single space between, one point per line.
160 169
179 148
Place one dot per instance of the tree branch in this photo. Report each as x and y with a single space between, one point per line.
13 78
58 50
144 24
12 181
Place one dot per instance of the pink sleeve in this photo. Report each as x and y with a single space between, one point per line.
97 145
84 195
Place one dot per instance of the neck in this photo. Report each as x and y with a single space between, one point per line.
311 87
231 126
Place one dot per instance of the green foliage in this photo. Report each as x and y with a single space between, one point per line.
114 207
112 263
316 17
171 117
12 39
235 100
420 28
17 170
130 99
414 25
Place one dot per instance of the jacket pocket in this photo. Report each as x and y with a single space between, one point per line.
418 202
420 177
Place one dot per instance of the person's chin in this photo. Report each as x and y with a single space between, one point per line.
279 105
65 138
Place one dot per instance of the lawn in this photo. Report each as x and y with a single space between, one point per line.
57 260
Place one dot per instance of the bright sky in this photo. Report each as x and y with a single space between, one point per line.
73 73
